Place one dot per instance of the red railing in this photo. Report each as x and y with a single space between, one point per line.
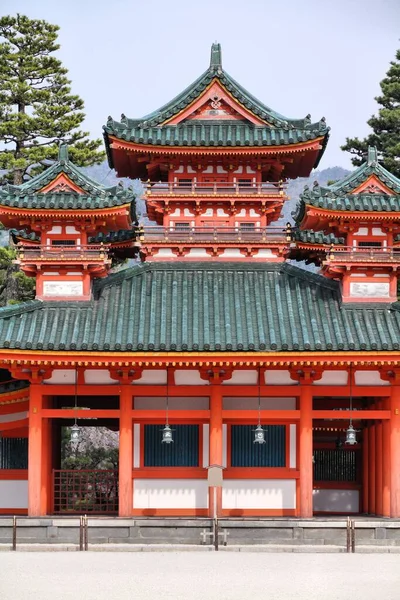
223 188
214 234
356 254
57 253
85 492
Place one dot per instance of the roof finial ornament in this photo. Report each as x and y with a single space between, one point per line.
372 157
62 152
216 57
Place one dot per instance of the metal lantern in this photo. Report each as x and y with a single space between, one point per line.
259 435
351 437
75 434
167 435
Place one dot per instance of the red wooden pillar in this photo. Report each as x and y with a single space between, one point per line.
371 460
395 452
125 452
306 453
386 462
35 458
216 451
365 475
379 470
46 494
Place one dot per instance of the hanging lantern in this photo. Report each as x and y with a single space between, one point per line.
75 434
351 437
259 435
167 435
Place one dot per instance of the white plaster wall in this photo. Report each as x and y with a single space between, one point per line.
369 290
187 212
71 229
222 213
152 377
242 378
224 446
99 377
343 501
362 231
244 403
264 253
231 252
259 493
333 378
170 493
197 252
206 444
164 252
136 445
13 417
159 403
292 445
369 378
62 376
55 229
13 493
176 213
62 288
279 377
189 377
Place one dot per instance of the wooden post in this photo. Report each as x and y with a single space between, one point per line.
379 469
386 462
395 451
35 461
365 471
371 478
306 453
125 452
216 451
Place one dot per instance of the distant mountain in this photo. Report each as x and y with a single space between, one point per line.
103 174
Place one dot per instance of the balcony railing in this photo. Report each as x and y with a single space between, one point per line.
92 253
194 235
349 254
220 188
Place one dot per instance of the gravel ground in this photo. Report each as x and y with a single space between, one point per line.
198 575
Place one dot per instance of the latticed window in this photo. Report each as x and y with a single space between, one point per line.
183 452
336 465
244 453
13 453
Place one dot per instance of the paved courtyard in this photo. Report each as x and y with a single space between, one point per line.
198 575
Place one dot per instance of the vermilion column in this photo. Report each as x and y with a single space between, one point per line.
395 452
216 451
379 469
365 471
35 459
386 475
372 479
125 452
306 452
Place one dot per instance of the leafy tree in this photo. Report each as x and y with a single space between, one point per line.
37 109
15 287
385 125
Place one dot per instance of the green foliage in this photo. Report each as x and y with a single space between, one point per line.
385 125
37 109
15 287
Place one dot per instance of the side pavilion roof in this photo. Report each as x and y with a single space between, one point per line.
198 307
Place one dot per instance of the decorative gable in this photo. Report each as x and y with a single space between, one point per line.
372 185
62 183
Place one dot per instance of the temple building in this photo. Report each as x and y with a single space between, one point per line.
213 349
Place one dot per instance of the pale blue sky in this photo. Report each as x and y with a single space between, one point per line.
299 56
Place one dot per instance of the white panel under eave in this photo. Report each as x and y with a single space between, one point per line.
222 213
197 252
279 377
164 252
71 229
13 494
66 376
170 493
242 378
189 377
333 378
369 290
369 378
99 377
264 252
231 252
19 416
174 403
242 403
152 377
259 494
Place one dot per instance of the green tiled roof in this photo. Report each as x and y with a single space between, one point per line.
112 237
309 236
96 196
280 130
204 307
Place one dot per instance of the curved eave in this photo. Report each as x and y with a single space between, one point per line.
96 213
319 218
118 144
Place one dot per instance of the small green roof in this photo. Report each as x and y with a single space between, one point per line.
308 236
96 195
279 131
203 307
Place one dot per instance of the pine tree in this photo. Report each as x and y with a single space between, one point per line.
385 126
37 109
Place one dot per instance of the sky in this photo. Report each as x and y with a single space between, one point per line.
324 57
